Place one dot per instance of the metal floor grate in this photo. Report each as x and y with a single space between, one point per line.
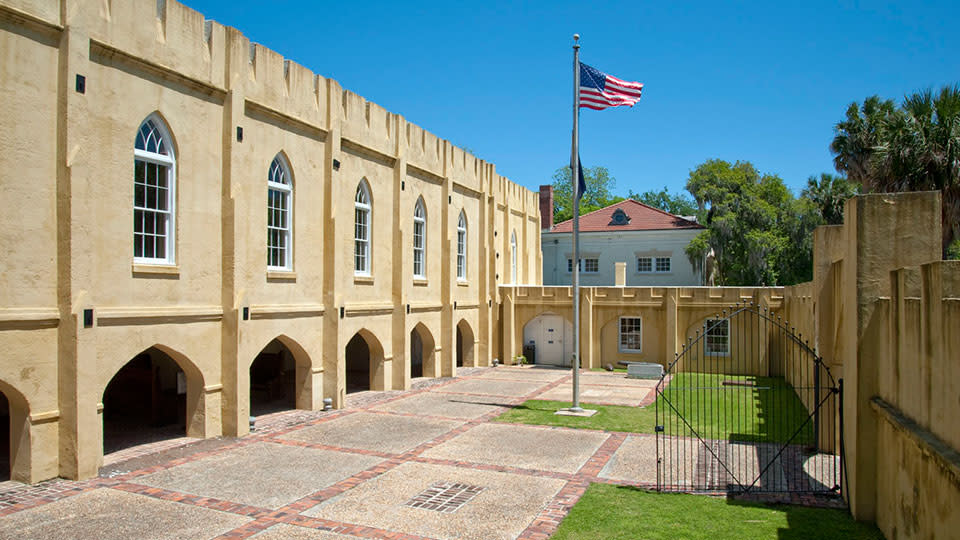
444 497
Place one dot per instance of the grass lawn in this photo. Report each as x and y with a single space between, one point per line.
621 512
714 410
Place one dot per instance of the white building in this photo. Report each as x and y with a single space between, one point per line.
650 241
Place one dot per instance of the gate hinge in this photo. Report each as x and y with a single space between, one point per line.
658 429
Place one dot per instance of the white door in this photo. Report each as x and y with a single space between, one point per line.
548 334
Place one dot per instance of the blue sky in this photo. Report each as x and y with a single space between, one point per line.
763 82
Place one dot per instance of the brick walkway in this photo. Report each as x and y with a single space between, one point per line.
376 469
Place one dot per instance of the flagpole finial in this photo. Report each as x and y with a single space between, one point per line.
576 41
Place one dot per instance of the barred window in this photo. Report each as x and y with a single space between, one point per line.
462 247
279 216
644 264
717 335
363 210
154 184
631 334
663 264
419 231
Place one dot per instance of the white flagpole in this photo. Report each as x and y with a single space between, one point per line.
575 176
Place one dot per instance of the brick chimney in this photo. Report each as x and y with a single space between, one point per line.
546 207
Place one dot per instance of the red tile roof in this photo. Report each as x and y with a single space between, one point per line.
641 218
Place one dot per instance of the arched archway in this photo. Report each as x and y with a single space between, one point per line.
154 396
364 363
422 352
14 437
552 338
278 377
465 341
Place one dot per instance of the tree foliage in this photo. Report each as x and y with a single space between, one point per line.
599 192
913 147
829 192
678 204
759 232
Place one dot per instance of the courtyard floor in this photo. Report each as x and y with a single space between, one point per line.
423 463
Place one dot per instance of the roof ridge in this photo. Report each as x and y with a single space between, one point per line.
627 200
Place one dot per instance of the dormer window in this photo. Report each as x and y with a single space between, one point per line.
619 217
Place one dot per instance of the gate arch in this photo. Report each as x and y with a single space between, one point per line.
14 440
748 406
152 380
552 336
423 357
279 377
364 363
465 344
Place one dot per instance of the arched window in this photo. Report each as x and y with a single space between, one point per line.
419 240
279 216
154 184
462 247
513 257
361 230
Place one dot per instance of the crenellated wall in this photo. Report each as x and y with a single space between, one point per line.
77 307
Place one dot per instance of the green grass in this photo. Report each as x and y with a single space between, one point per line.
617 369
619 512
739 413
608 417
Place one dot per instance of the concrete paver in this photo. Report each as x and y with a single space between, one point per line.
507 504
523 447
526 374
377 432
601 395
493 387
447 405
108 514
282 531
635 461
261 474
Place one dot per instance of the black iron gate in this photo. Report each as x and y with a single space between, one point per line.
748 406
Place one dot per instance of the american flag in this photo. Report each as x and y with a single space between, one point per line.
599 90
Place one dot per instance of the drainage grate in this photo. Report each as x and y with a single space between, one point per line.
444 497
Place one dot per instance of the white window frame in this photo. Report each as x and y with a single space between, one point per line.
280 182
419 240
363 208
462 247
584 265
638 331
654 264
716 329
169 162
513 257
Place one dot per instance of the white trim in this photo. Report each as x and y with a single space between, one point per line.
285 189
620 334
513 257
707 328
420 218
169 162
362 205
583 269
462 247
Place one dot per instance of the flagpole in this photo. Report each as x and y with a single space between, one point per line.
574 177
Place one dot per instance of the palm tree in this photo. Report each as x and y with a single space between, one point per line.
829 192
857 137
913 148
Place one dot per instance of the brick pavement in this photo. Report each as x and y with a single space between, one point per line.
309 514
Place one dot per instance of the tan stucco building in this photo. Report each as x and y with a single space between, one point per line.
178 202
